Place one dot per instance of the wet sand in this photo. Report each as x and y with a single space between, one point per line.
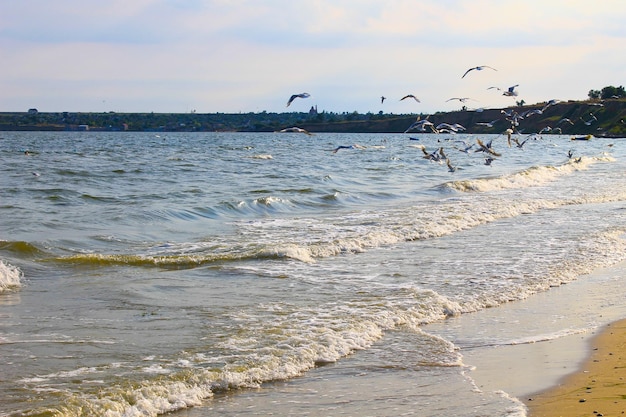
598 388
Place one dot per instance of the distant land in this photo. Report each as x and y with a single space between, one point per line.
601 118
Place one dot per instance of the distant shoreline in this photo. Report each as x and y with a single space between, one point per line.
601 119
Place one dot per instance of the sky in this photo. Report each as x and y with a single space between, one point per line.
240 56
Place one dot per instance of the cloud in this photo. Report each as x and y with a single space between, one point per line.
245 55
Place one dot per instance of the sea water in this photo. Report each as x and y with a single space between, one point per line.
277 273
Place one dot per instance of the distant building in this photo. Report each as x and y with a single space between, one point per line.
83 127
313 110
33 111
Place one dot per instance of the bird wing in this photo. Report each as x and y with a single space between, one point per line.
292 98
410 96
295 96
466 72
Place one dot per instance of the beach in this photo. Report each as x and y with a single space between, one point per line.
597 388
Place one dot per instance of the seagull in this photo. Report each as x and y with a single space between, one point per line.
487 124
295 130
509 132
433 156
448 127
467 146
382 98
451 167
520 144
410 96
565 120
461 99
478 68
552 102
355 146
486 148
531 112
295 96
511 91
489 160
421 125
591 120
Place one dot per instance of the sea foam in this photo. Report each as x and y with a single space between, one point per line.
10 276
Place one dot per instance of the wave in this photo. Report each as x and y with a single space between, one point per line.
20 248
269 346
310 239
284 346
10 277
531 177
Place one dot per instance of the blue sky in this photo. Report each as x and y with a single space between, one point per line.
250 55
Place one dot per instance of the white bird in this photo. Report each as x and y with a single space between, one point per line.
478 68
487 124
531 112
434 156
411 96
355 146
511 91
591 120
467 146
447 126
520 144
295 130
509 132
552 102
295 96
461 99
486 148
421 125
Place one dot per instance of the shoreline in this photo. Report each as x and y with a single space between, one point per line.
597 388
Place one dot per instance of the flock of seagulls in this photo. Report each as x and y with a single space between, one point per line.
513 133
510 92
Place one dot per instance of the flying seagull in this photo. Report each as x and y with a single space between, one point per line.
295 129
461 99
487 124
382 98
411 96
478 68
511 91
295 96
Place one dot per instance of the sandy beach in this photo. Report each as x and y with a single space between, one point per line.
598 388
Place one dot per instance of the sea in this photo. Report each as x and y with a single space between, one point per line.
251 274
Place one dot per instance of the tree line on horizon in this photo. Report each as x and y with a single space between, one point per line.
252 122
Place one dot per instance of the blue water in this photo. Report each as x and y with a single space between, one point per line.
147 273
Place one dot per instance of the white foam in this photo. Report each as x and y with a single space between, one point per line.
531 177
10 276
